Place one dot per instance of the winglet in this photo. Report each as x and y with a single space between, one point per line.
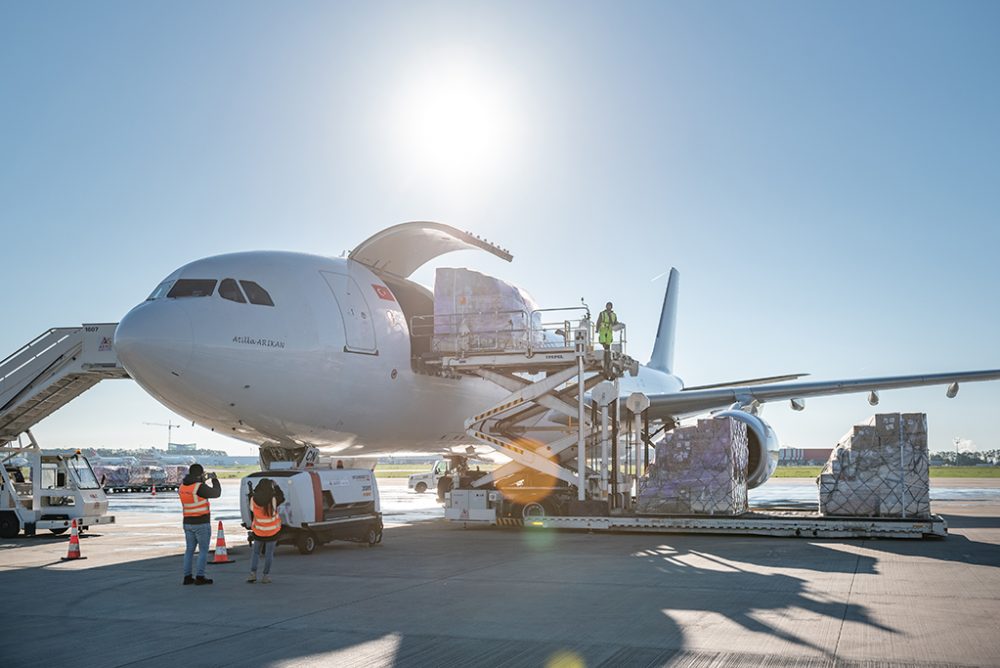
662 358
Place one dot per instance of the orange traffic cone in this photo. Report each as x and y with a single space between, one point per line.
221 557
74 544
153 493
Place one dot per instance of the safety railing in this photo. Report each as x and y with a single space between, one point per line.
474 332
20 366
529 332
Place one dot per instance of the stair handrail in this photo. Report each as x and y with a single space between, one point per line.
10 359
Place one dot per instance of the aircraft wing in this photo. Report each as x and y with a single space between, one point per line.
691 402
749 381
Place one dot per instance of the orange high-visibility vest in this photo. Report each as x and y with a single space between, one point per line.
264 525
194 505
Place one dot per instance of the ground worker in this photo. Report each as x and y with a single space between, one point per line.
194 495
606 320
266 525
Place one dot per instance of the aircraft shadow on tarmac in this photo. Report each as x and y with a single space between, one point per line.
606 600
735 567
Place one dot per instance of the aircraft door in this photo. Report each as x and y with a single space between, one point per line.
355 313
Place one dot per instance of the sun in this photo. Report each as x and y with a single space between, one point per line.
453 121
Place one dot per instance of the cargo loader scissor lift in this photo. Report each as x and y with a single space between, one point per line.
541 426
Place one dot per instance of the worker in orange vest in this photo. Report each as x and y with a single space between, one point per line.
266 524
194 493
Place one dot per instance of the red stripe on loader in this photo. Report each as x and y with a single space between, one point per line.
317 497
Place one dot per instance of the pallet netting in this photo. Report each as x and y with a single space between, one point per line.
879 469
699 470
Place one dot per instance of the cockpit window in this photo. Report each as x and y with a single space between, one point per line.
160 291
256 294
192 287
228 289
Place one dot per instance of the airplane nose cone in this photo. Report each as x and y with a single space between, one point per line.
154 340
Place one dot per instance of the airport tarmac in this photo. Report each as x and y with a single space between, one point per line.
435 594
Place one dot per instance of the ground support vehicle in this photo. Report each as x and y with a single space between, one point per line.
577 454
487 507
39 491
421 482
322 504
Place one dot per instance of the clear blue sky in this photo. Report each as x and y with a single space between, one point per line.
824 175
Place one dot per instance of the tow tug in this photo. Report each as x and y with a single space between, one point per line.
47 491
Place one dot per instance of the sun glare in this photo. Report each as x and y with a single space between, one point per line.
452 123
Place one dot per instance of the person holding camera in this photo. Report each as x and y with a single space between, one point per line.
194 493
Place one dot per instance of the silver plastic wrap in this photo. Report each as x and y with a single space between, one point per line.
879 469
473 311
699 470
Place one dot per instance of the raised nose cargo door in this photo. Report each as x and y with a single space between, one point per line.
401 249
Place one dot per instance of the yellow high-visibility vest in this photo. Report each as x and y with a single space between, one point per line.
605 321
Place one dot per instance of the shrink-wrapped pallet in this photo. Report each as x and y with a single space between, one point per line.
113 475
175 473
147 474
879 469
699 470
473 312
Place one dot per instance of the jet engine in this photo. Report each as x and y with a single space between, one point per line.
763 446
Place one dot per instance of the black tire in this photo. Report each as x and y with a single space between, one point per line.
374 535
10 526
59 532
420 488
307 542
444 486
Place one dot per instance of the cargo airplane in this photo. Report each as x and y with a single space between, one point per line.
289 349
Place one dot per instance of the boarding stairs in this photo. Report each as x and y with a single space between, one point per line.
50 371
548 368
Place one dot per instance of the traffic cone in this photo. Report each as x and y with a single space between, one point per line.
221 557
153 493
74 544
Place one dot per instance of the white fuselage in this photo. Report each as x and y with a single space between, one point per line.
329 364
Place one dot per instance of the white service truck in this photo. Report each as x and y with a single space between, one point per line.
39 491
421 482
321 504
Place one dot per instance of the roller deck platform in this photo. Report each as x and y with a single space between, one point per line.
756 523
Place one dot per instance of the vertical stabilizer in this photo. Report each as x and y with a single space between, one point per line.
662 358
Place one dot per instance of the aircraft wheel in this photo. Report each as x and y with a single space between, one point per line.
421 487
9 525
306 542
